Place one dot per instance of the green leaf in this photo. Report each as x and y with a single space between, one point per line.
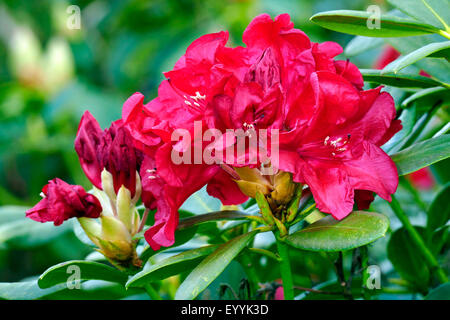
415 56
399 80
212 266
440 293
201 202
355 22
405 259
89 270
181 237
171 266
26 290
439 69
25 233
428 96
429 11
11 213
422 154
361 44
212 216
408 119
357 229
439 211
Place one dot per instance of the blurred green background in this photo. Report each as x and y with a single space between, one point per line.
50 74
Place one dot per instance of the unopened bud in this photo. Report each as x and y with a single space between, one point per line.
115 242
108 184
284 188
92 229
252 181
125 208
138 191
251 188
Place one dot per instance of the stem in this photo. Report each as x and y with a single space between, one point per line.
144 219
302 215
152 293
285 269
265 252
253 278
405 182
417 239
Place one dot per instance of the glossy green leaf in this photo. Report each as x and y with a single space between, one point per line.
439 69
212 266
399 80
212 216
88 270
433 12
422 154
406 260
26 290
415 56
427 97
357 229
440 293
173 265
355 22
439 211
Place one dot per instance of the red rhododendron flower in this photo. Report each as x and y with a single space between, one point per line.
111 149
62 201
330 130
422 179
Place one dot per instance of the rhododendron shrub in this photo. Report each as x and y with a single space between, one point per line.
283 133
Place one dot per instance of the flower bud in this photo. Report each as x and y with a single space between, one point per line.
125 209
92 228
284 188
108 185
252 181
115 242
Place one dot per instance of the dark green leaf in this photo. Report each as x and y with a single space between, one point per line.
439 211
212 216
89 270
406 260
399 80
213 265
422 154
428 96
355 22
415 56
173 265
440 293
357 229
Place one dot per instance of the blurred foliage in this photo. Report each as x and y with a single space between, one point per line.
49 75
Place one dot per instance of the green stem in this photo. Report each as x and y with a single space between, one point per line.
249 269
413 191
152 293
285 269
417 239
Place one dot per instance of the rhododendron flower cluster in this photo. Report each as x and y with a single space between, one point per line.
329 130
